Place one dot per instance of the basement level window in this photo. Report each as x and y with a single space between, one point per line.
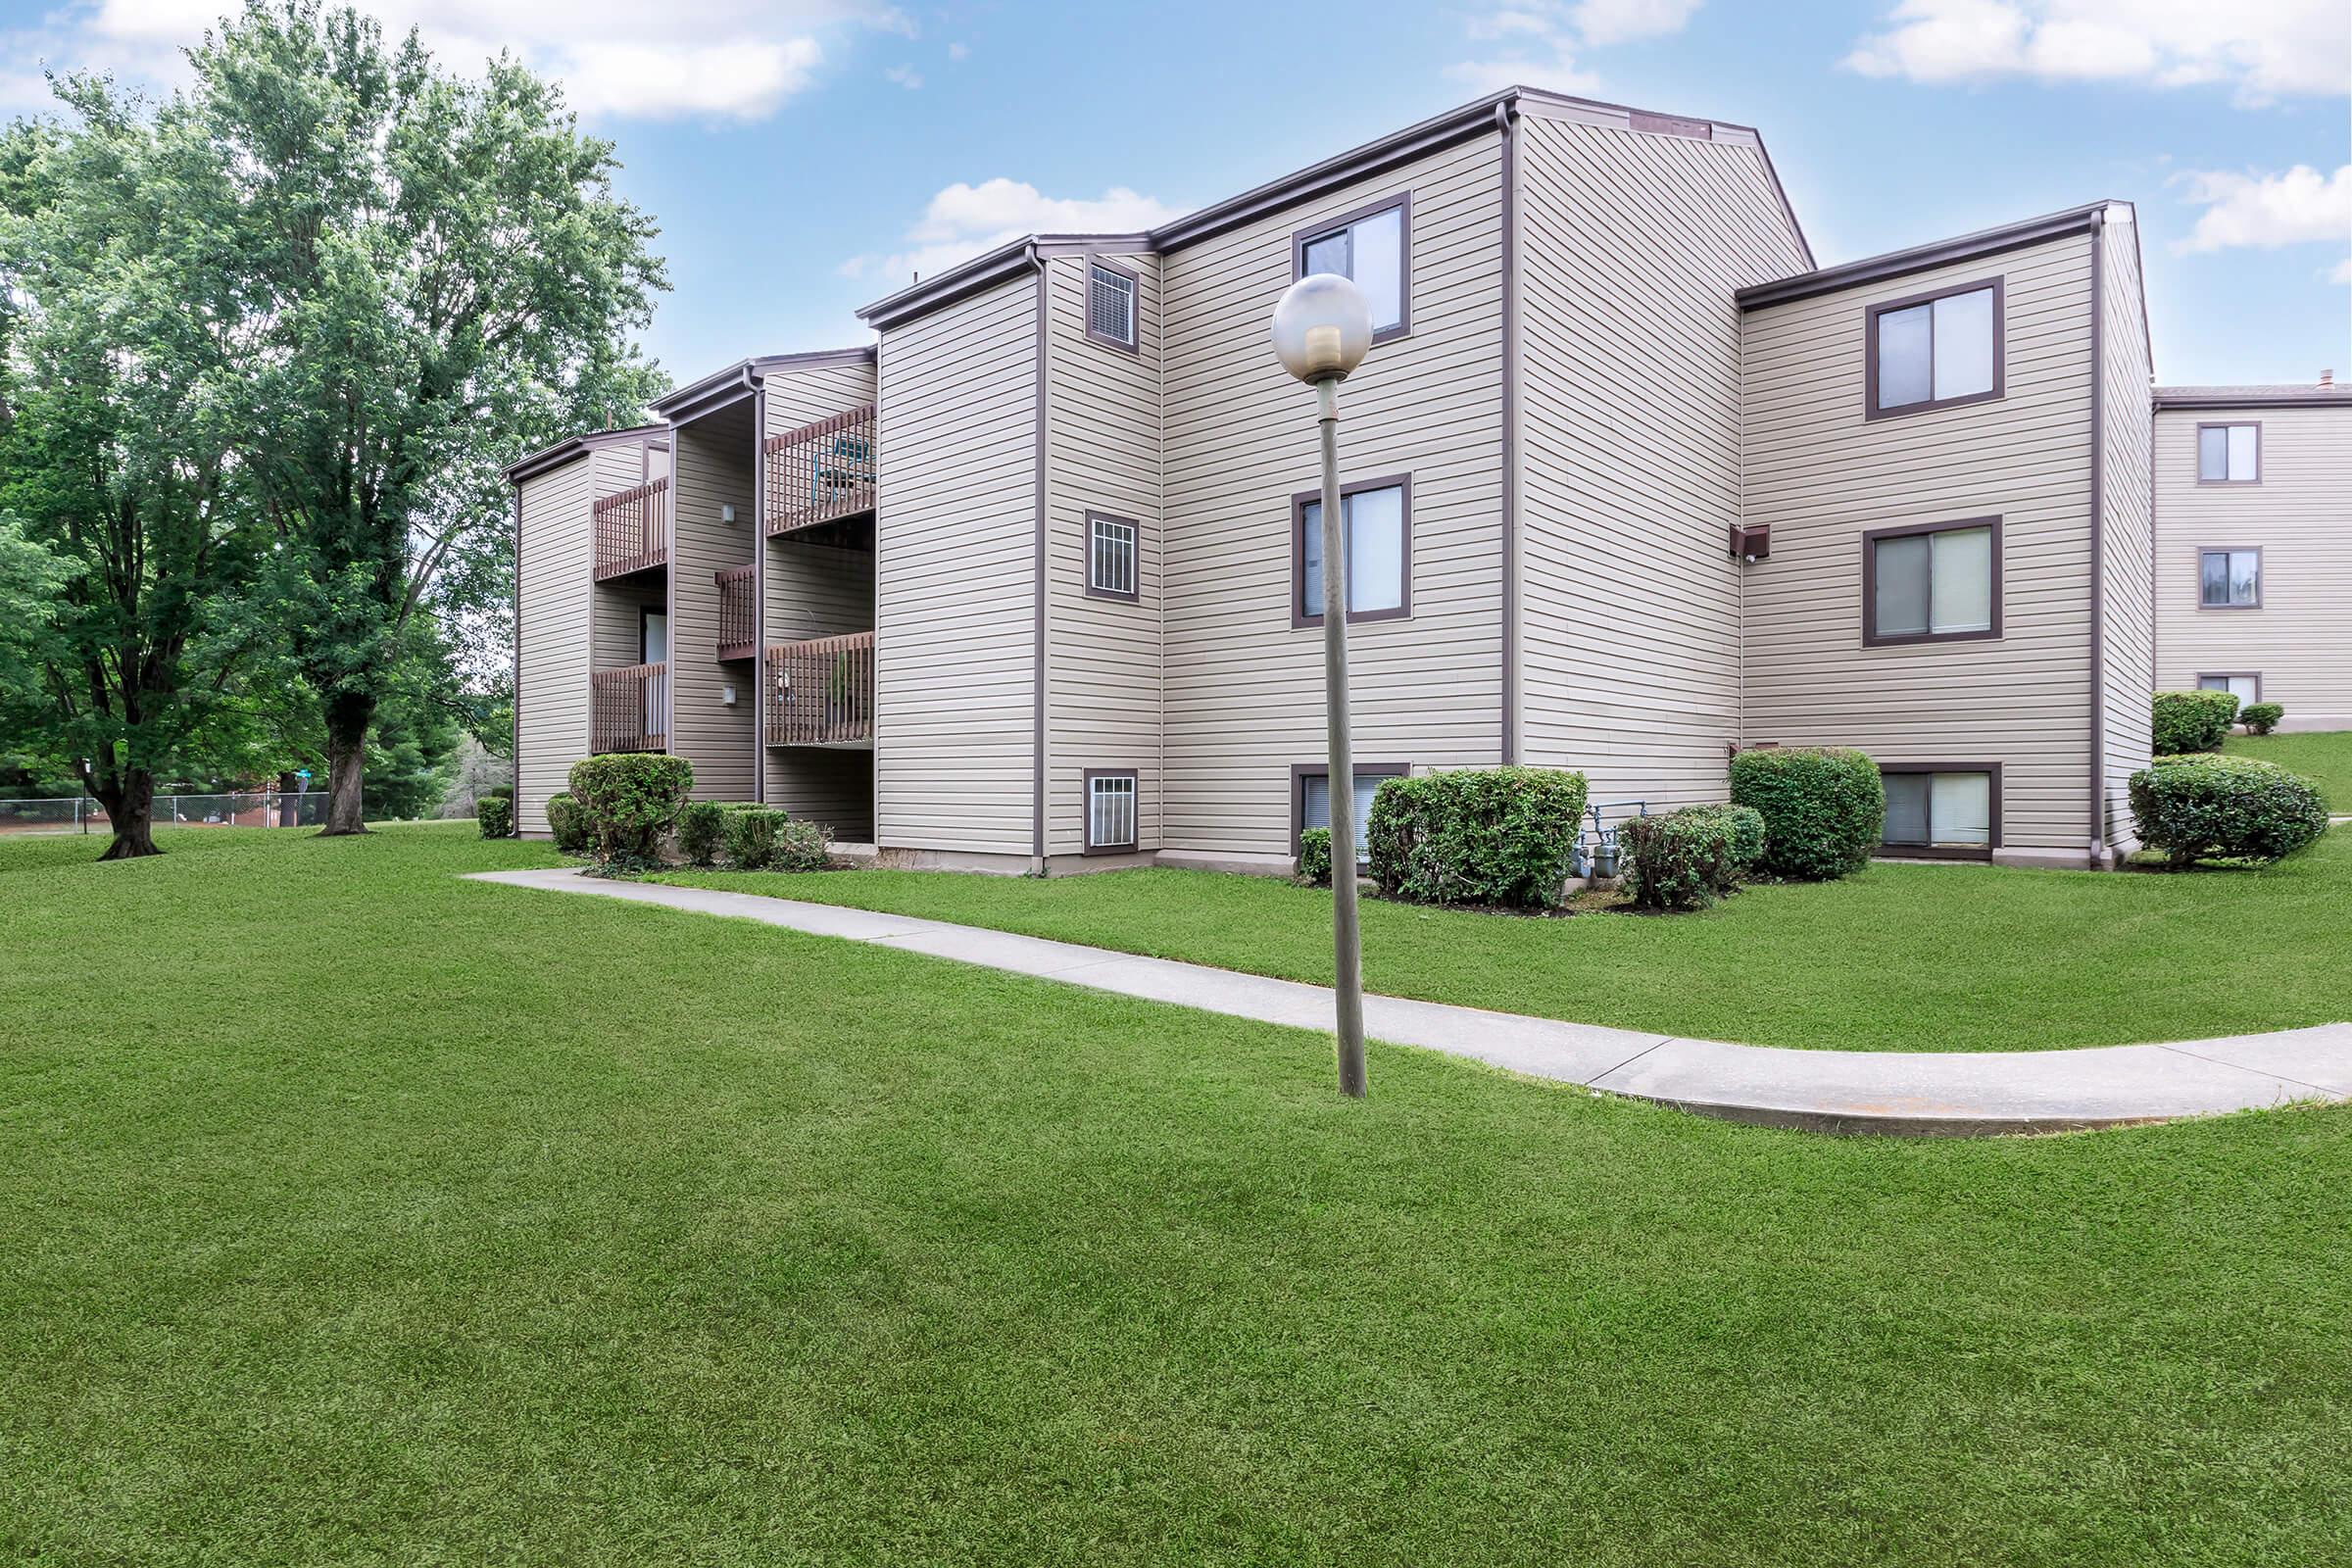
2245 688
1948 811
1110 305
1109 811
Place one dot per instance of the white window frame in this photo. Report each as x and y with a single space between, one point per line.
1101 525
1105 785
1116 278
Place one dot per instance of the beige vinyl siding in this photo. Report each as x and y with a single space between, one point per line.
1244 689
1631 246
2300 639
2127 539
1102 657
955 543
550 637
713 456
799 395
1820 475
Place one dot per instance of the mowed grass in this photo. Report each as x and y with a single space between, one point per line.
359 1214
2324 756
1900 957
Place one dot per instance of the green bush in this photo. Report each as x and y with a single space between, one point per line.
631 799
1747 825
2260 718
2211 806
567 824
761 838
2192 721
702 831
1822 807
1494 836
802 846
1682 859
495 814
1314 856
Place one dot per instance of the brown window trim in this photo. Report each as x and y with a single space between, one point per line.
2261 573
1086 810
2000 354
1930 851
1301 772
1870 585
1085 557
2198 454
2254 676
1402 202
1299 502
1134 311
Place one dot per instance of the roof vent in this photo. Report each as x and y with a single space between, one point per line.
2326 378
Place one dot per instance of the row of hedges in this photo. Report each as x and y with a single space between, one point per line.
755 838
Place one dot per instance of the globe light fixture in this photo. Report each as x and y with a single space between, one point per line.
1322 329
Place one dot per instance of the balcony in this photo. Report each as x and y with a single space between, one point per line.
632 530
821 693
628 708
821 472
738 613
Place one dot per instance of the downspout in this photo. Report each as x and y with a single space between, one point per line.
1037 681
2098 542
514 703
760 595
1505 120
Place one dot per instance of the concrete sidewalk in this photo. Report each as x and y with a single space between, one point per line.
1947 1093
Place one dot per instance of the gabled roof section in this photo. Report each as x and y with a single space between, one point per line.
1481 116
743 378
577 446
2293 395
1920 258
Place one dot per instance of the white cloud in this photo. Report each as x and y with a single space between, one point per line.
956 51
714 59
2264 49
964 220
2267 211
2342 272
905 76
1542 39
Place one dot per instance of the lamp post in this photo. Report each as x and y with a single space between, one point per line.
1322 329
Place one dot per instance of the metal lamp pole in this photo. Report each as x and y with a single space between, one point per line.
1322 330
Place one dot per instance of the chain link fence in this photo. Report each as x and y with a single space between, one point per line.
72 814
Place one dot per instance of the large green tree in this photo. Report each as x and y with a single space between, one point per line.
433 274
126 616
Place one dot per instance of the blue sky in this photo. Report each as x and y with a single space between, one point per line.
803 157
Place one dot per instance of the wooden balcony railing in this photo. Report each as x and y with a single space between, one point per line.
821 693
738 613
629 709
821 472
632 530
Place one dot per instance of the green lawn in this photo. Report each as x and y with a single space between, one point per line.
359 1214
2324 756
1900 957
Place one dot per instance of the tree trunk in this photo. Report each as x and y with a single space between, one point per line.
129 801
346 747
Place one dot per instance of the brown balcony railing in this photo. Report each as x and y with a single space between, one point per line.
738 620
821 693
629 709
821 472
632 530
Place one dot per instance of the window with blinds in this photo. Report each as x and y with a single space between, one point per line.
1112 546
1109 811
1110 305
1314 802
1942 581
1939 811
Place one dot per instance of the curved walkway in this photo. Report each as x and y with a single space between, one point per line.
1953 1094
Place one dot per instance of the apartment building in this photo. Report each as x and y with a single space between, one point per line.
2254 545
1031 583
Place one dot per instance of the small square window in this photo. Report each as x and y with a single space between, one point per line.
1935 351
1112 548
1941 810
1933 584
1376 521
1373 247
2229 579
1110 305
2229 454
1111 813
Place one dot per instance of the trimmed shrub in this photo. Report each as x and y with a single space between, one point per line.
1747 824
2260 718
495 814
1492 835
802 846
702 831
567 824
1680 859
1314 856
2192 721
2210 807
1822 807
631 799
751 836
